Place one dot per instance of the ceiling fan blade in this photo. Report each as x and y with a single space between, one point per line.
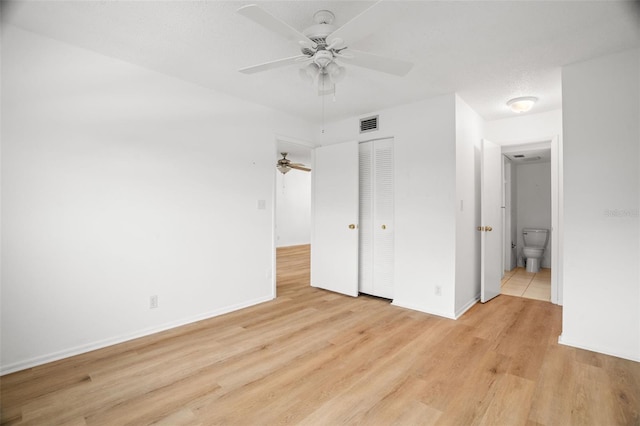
299 167
267 20
378 63
362 25
274 64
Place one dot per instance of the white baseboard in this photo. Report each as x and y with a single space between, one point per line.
460 312
568 342
44 359
421 309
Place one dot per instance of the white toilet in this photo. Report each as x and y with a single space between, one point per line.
535 241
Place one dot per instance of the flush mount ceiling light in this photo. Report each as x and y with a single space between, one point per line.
522 104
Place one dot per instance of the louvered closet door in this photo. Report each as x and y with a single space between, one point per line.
376 218
365 242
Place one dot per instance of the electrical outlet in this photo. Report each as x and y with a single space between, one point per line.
438 290
153 302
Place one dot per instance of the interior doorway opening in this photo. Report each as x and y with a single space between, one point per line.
531 188
292 212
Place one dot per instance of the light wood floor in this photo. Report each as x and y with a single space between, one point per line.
318 358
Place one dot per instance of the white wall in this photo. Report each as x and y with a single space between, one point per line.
469 131
426 149
533 198
120 183
602 192
530 127
293 208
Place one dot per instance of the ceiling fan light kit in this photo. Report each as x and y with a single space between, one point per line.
283 169
322 44
336 72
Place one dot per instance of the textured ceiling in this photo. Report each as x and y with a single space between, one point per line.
486 51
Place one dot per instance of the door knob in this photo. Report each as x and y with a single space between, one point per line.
384 226
352 226
489 229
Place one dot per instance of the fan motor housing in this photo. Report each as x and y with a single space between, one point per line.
318 33
323 27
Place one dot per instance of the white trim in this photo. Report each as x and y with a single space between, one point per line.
274 210
55 356
460 312
556 221
421 309
605 351
555 144
516 144
296 141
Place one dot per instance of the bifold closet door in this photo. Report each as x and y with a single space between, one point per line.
376 242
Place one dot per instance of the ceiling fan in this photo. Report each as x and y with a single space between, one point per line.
322 45
284 165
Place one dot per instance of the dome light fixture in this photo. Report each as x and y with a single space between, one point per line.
522 104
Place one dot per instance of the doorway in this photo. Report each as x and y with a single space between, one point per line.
292 212
530 189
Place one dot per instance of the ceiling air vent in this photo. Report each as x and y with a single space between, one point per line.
369 124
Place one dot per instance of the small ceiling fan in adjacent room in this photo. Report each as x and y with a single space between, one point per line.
284 165
325 47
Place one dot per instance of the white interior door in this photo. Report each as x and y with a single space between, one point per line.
334 237
491 220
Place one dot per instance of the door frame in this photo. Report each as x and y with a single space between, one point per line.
509 259
274 243
557 212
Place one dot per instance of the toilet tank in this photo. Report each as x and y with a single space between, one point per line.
535 237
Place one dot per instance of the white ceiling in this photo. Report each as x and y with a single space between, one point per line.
486 51
529 156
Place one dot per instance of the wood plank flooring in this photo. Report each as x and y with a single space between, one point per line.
312 357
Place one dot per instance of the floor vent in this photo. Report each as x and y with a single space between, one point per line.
369 124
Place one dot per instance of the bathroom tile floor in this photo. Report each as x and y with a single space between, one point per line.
519 282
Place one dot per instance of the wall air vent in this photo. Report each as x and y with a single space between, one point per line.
369 124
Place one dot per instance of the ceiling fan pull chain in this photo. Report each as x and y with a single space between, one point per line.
322 82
